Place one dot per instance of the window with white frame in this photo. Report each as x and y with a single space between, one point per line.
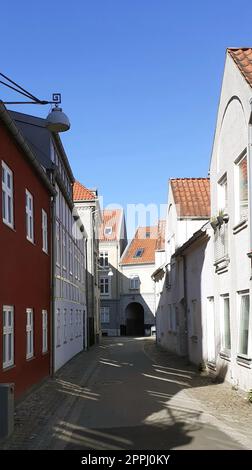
243 188
244 323
104 285
7 195
226 332
44 331
8 336
108 231
44 232
104 259
105 314
29 216
29 333
222 193
134 282
57 243
58 328
65 325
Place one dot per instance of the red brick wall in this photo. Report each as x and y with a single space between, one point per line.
24 268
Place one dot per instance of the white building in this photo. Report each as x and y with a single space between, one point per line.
231 156
137 286
187 210
87 204
69 258
112 242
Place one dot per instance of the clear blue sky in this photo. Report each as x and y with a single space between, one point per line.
140 81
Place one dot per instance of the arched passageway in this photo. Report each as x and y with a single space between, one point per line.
134 319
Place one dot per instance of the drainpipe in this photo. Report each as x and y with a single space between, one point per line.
250 184
53 261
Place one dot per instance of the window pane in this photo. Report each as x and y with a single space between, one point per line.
243 187
227 339
244 324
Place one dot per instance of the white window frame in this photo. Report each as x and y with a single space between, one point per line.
103 285
29 333
29 209
8 333
223 193
44 331
239 216
44 231
223 345
103 261
7 196
248 353
134 282
105 314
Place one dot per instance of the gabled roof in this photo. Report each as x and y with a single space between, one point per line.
192 196
111 219
81 193
243 59
140 241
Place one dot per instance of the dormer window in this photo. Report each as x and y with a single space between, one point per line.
138 253
108 231
147 235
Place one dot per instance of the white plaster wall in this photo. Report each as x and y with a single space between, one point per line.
230 141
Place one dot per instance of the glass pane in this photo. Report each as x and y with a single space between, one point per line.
9 210
4 204
4 348
9 347
3 175
244 324
4 318
243 183
227 338
10 318
9 180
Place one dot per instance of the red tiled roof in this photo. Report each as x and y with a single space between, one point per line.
110 219
243 59
140 241
192 196
81 193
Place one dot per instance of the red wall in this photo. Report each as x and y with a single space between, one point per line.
24 268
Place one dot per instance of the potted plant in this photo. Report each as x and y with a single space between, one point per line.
214 222
220 217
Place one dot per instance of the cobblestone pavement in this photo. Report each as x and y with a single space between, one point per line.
39 412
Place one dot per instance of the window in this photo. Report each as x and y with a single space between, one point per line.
44 232
108 231
226 334
244 323
57 243
65 325
44 331
29 216
134 282
7 195
138 253
221 242
147 234
105 311
29 333
243 188
104 285
104 259
8 336
58 328
64 248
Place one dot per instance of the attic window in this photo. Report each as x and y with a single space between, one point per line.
147 235
138 253
108 231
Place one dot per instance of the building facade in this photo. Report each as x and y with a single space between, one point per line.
25 254
86 202
69 255
112 242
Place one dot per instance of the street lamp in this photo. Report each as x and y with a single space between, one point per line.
56 121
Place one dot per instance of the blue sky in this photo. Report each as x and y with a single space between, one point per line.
140 81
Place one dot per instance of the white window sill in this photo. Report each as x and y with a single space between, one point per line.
244 361
240 226
225 355
30 358
11 226
44 251
30 240
8 367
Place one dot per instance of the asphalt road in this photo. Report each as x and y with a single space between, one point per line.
131 401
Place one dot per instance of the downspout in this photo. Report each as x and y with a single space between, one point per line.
86 298
53 260
249 184
185 304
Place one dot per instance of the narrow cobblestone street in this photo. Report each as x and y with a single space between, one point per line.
128 394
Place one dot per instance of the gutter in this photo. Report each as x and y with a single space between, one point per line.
20 140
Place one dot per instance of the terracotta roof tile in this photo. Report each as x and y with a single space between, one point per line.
81 193
146 238
110 225
243 59
192 196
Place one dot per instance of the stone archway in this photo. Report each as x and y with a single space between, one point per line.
134 319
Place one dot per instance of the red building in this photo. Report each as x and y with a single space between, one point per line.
25 261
